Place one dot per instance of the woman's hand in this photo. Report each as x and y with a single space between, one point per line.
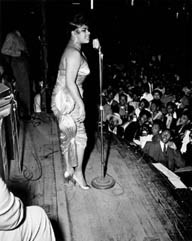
81 113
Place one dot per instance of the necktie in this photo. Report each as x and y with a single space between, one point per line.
165 155
164 148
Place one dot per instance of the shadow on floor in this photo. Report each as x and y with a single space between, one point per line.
57 230
20 189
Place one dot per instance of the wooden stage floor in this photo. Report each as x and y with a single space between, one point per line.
141 206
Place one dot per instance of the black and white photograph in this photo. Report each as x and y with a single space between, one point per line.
95 120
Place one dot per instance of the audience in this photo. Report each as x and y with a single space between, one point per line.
153 88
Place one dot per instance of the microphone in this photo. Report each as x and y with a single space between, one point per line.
96 43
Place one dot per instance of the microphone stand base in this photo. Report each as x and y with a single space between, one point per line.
105 182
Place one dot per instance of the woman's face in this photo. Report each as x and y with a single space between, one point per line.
153 107
184 119
170 109
156 96
155 129
143 119
83 34
110 96
122 100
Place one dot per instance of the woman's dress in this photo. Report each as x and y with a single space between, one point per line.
72 132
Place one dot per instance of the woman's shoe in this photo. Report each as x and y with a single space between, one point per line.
69 177
85 187
67 174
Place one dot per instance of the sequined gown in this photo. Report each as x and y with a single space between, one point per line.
72 132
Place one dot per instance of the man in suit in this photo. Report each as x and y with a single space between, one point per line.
164 152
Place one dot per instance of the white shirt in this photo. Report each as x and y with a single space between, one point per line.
162 145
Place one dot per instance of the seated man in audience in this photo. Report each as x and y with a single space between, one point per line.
18 223
164 151
136 128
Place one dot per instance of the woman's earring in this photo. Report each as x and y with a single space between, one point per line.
74 38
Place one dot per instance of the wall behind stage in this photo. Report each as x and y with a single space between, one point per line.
119 27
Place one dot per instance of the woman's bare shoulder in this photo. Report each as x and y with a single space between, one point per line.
71 52
70 55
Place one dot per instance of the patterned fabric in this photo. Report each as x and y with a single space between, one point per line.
62 102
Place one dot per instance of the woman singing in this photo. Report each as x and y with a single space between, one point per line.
67 100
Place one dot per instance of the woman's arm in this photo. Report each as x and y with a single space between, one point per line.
73 61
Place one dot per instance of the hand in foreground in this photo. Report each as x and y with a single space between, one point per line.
172 145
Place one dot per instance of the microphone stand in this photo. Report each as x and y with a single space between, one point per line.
104 181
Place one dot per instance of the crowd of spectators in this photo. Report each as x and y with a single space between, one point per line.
148 104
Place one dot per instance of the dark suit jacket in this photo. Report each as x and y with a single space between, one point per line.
173 123
171 159
187 156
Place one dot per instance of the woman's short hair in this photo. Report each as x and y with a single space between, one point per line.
158 103
172 104
159 123
145 112
187 113
122 95
77 21
146 102
157 91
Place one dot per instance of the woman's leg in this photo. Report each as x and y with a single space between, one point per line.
81 142
67 143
